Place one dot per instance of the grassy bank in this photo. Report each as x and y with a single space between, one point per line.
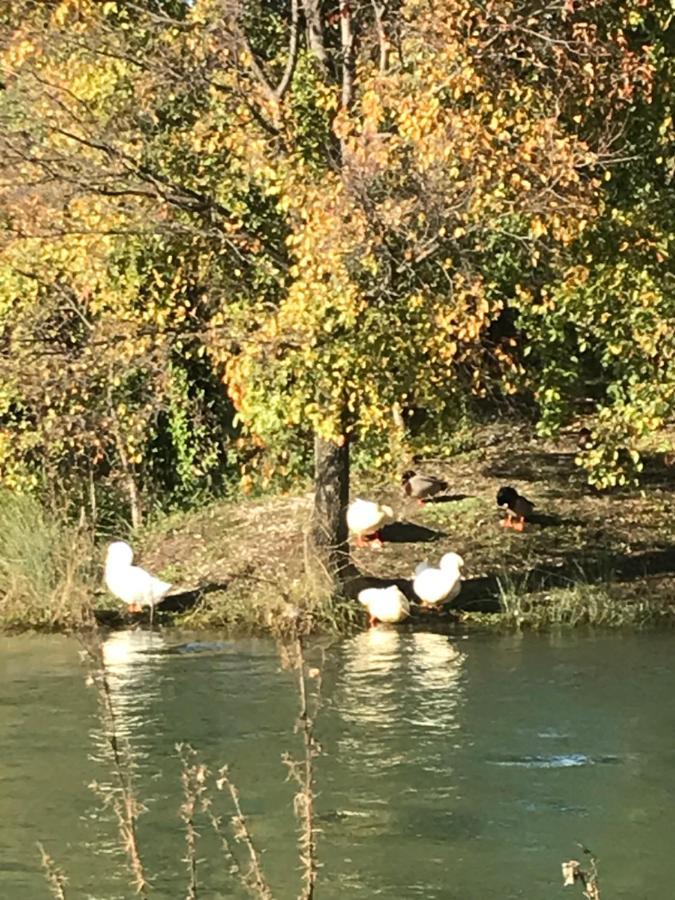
584 559
47 568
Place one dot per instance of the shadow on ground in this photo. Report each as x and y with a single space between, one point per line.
409 533
447 498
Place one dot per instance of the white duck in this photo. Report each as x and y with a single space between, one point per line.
131 584
385 604
437 586
364 518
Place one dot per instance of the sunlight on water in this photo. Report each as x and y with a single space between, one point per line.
460 768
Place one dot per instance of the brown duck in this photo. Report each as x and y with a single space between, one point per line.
421 487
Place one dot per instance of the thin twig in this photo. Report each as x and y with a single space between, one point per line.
54 875
193 779
302 772
254 879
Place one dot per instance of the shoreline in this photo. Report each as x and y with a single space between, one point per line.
584 558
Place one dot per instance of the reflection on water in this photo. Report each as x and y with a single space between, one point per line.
453 769
133 662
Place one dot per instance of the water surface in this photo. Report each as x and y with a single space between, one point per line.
462 768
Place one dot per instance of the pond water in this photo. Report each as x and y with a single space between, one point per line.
466 767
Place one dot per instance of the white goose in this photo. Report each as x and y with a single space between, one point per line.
437 586
131 584
364 518
385 604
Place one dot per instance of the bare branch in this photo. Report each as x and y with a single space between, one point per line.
286 78
379 9
347 44
315 40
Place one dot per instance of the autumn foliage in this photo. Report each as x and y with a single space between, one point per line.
226 227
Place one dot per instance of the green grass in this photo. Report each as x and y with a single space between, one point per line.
257 609
45 567
580 603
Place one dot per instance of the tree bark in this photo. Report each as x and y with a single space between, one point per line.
313 18
331 496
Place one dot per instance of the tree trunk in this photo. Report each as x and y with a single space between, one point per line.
331 496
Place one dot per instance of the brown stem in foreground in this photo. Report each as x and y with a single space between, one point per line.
302 770
55 877
573 873
254 880
193 779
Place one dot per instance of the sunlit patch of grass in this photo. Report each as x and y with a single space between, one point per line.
579 603
45 567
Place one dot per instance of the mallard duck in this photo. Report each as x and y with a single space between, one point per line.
421 487
364 518
385 604
131 584
435 586
517 508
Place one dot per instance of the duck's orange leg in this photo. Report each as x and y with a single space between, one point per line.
372 621
519 524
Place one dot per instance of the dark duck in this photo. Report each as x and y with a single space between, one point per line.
517 507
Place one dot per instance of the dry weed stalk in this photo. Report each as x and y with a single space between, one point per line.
573 873
124 801
193 778
254 879
54 875
302 770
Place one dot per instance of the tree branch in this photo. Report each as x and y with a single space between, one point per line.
286 78
347 44
379 9
315 41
